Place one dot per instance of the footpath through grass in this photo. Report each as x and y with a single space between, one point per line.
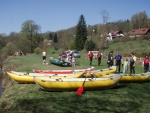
28 98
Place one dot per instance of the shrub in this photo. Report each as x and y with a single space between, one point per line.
37 50
71 45
89 45
8 49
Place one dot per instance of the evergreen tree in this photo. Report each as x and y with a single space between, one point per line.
50 36
55 38
81 34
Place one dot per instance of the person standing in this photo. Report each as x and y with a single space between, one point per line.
44 57
70 57
118 59
125 66
67 56
73 61
99 56
145 63
110 59
90 56
132 63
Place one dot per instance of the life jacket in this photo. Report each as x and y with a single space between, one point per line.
90 55
118 57
99 56
146 61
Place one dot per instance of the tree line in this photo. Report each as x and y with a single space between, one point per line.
82 36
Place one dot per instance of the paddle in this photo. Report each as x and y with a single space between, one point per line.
81 88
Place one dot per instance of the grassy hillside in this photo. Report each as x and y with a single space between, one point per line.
140 47
28 98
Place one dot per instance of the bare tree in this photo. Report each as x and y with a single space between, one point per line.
105 17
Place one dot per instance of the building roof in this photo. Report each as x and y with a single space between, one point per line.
115 32
140 31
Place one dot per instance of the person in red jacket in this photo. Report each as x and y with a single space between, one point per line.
146 62
90 56
99 56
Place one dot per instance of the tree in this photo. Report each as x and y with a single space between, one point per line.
105 16
30 30
23 45
139 20
50 36
8 49
81 34
3 41
71 44
89 45
55 39
13 37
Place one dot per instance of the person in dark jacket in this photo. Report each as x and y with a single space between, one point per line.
110 59
99 57
118 60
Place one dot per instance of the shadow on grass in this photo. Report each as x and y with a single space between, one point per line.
76 104
122 98
118 86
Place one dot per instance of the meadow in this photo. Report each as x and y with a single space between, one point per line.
29 98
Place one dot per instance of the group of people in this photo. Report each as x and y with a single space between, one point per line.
119 61
128 62
69 58
98 56
16 53
111 60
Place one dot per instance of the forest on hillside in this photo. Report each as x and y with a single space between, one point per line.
30 39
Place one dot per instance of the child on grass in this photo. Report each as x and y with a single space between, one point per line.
125 66
73 62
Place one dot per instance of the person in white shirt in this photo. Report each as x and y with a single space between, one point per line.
67 57
44 57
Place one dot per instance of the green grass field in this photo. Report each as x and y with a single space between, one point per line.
29 98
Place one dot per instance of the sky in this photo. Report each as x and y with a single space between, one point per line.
55 15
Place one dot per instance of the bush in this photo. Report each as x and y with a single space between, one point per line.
71 45
37 50
89 45
4 53
7 50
